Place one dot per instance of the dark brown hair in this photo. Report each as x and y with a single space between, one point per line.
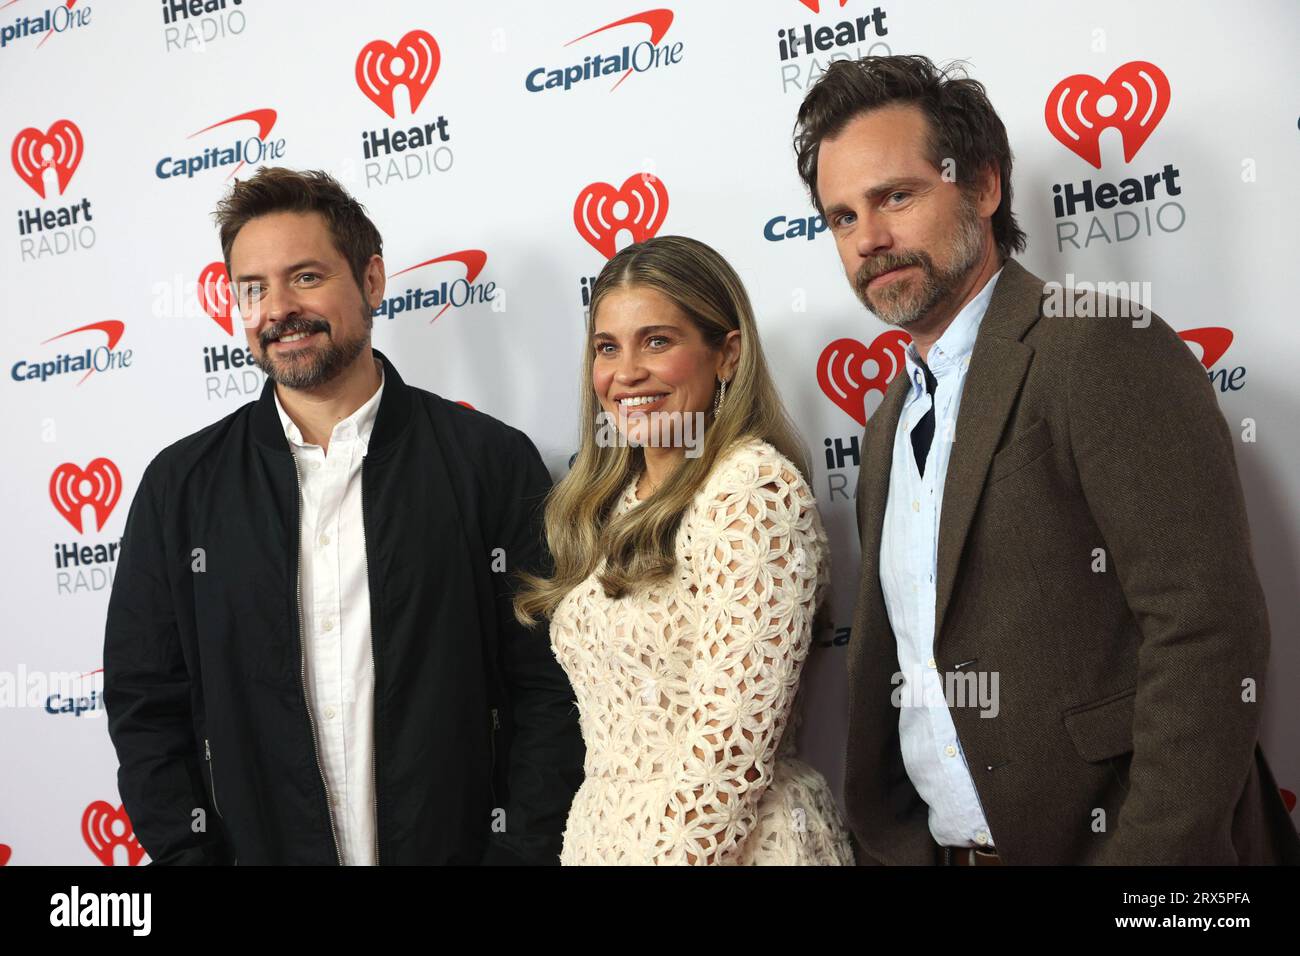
964 126
276 189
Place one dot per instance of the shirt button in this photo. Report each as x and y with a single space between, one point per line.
982 838
931 664
315 466
950 750
328 625
329 713
324 540
916 506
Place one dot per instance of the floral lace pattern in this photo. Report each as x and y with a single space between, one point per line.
686 689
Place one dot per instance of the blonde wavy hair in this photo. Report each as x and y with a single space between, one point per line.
640 546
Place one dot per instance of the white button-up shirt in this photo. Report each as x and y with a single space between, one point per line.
909 555
336 622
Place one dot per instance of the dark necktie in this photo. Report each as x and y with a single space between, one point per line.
923 433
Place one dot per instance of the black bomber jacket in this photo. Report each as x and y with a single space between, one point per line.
476 741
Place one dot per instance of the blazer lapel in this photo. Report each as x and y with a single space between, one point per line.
998 365
877 462
871 654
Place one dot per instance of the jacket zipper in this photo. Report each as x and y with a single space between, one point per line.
212 774
365 566
302 647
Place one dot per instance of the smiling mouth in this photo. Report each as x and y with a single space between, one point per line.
297 340
640 402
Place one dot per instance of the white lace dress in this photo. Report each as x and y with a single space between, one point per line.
686 689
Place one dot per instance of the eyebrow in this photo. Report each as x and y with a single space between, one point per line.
644 330
884 189
306 263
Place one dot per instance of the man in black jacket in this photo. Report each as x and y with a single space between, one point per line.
310 654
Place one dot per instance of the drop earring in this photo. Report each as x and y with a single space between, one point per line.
718 398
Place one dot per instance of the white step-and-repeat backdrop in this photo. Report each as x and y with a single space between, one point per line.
128 120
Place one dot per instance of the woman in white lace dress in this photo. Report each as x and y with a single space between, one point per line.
689 560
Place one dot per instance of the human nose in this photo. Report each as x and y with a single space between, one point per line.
280 303
873 236
630 369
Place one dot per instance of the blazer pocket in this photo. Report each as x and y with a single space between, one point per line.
1102 729
1024 448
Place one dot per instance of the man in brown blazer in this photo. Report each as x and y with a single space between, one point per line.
1060 639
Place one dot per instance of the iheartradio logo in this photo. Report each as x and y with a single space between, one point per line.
98 485
848 370
105 828
815 5
412 63
1132 100
601 212
215 296
59 148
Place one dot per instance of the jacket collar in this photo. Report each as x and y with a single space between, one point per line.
390 421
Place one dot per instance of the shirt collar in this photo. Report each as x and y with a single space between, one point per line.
957 342
362 421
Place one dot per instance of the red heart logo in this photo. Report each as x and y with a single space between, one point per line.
1140 92
6 851
99 486
844 375
413 63
104 828
1213 342
645 201
215 297
1288 798
66 148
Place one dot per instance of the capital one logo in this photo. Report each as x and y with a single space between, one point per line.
59 148
638 207
848 370
254 149
99 485
640 57
412 63
1213 342
1210 344
458 293
215 296
1132 100
105 828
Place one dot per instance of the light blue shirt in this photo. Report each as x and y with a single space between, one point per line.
909 552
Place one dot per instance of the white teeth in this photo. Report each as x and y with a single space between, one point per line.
295 337
639 400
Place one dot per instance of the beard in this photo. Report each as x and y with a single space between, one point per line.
309 368
905 301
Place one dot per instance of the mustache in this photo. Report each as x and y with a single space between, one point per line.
273 333
874 268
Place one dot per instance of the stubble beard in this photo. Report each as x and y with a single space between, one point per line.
903 302
310 368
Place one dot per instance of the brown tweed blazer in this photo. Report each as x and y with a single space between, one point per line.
1119 690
